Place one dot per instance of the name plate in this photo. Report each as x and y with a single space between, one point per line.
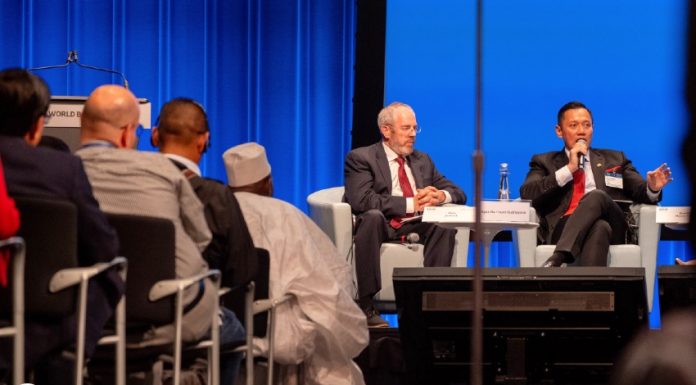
673 214
64 115
449 214
491 211
505 211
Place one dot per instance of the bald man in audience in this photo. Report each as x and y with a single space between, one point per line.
126 181
322 325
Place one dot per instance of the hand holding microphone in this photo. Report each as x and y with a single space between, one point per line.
578 152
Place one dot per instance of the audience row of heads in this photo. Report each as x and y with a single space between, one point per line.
111 114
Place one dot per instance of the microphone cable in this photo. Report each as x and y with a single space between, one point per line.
73 58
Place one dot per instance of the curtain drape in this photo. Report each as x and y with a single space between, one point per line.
278 72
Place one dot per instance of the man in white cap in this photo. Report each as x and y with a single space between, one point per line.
322 325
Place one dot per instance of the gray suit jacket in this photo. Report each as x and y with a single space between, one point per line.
551 200
368 180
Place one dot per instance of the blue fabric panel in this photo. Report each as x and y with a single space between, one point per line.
278 72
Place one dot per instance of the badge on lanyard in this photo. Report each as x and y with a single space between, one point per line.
613 178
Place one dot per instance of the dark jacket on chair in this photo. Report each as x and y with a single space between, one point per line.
46 173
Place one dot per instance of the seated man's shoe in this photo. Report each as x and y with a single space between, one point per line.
555 260
374 320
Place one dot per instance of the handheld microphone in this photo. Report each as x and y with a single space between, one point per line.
581 157
411 240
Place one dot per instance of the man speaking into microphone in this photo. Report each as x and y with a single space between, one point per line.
575 192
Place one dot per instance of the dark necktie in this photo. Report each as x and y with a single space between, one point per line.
578 190
405 188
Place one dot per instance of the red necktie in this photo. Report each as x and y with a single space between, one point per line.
578 190
405 188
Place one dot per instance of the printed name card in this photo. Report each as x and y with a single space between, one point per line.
505 211
449 214
491 211
673 214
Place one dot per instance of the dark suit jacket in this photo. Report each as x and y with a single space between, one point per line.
231 249
551 201
46 173
368 180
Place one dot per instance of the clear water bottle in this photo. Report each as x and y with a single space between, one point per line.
504 188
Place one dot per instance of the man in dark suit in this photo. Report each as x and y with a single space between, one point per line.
385 183
575 191
182 135
46 173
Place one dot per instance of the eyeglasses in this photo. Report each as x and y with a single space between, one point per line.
406 129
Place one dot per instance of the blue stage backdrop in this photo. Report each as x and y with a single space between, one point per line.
623 58
278 72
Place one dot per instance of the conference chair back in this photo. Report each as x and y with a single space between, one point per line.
149 245
49 230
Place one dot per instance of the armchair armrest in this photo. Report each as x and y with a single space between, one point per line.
526 241
333 216
648 233
648 240
12 241
66 278
263 305
171 286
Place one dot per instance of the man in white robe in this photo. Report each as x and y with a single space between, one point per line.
321 327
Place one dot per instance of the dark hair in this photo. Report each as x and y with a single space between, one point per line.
571 106
170 122
24 98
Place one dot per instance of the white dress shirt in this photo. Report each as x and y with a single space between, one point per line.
564 176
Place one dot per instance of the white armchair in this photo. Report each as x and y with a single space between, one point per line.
644 254
334 217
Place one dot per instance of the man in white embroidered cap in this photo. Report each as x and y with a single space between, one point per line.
322 325
248 169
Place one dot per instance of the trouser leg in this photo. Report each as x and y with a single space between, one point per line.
593 206
231 330
371 230
438 241
596 248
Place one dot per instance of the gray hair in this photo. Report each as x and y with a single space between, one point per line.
386 115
